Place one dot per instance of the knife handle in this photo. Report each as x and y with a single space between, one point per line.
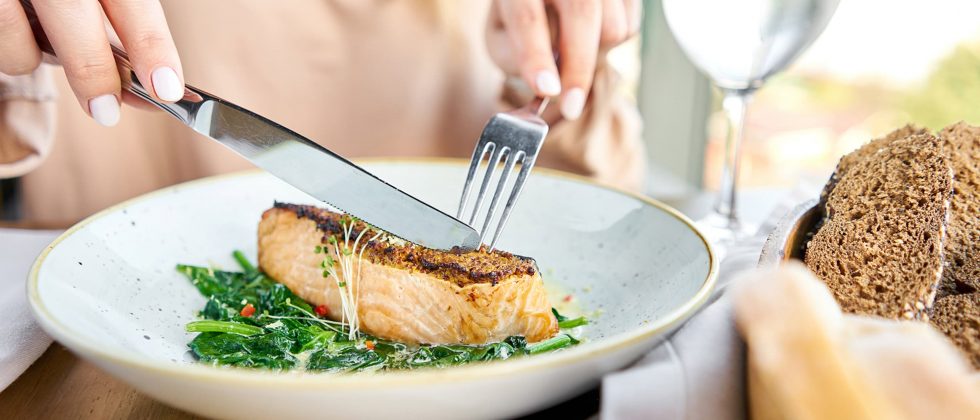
183 110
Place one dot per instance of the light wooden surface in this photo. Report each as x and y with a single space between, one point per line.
61 386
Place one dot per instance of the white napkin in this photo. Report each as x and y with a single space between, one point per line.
699 373
21 339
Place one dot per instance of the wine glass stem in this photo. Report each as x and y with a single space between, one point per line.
734 105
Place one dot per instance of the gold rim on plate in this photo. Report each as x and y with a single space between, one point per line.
427 376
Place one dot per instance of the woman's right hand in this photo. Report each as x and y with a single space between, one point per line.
78 35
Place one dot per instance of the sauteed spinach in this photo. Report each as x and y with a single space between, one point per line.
249 320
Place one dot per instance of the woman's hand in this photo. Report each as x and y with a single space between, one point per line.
520 34
78 34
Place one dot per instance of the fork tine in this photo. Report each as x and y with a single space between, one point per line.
526 164
478 152
508 167
495 156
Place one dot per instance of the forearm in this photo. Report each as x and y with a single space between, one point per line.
27 114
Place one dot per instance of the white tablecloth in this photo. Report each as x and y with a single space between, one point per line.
21 339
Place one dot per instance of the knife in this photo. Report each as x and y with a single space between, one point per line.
299 161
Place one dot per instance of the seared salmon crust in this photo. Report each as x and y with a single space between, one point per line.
455 266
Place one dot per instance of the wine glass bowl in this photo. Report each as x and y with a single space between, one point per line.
738 45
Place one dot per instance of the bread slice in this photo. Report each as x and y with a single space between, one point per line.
962 271
865 152
880 247
958 317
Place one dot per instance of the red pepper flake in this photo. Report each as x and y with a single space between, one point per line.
568 298
322 310
369 344
248 310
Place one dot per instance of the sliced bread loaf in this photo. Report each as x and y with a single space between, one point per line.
962 271
958 317
866 151
880 247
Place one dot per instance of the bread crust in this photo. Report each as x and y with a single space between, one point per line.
962 271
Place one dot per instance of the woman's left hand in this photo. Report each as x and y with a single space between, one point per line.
520 36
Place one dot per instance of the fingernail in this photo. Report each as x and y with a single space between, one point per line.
572 104
104 109
548 83
166 84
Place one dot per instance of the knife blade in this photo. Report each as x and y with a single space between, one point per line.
326 175
302 163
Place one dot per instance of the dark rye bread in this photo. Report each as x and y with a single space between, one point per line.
959 318
962 271
866 151
880 247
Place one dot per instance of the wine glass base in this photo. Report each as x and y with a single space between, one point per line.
723 232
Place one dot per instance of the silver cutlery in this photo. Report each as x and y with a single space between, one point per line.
513 138
299 161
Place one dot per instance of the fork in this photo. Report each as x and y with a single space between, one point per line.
517 136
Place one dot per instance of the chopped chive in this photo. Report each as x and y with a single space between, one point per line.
223 327
243 261
572 323
551 344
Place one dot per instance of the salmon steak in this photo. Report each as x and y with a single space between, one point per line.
402 291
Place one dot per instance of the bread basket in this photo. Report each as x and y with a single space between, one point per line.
788 240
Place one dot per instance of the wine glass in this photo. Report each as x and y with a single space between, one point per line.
738 45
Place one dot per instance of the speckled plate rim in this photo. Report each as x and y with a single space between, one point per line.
239 377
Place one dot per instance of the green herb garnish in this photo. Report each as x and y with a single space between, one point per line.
284 332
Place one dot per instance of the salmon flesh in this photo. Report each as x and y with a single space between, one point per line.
405 292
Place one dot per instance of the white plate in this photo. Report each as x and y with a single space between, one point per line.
107 289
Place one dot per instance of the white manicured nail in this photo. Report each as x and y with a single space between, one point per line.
572 104
548 83
104 109
166 84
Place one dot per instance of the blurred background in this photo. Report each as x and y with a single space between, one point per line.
878 65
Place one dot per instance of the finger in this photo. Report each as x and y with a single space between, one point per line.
19 53
580 24
77 33
615 27
634 16
527 27
142 28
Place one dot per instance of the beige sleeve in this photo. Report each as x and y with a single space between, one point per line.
604 143
27 117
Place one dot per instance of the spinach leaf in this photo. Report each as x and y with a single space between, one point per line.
284 326
347 360
266 350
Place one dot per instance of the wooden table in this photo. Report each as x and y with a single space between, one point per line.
59 385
